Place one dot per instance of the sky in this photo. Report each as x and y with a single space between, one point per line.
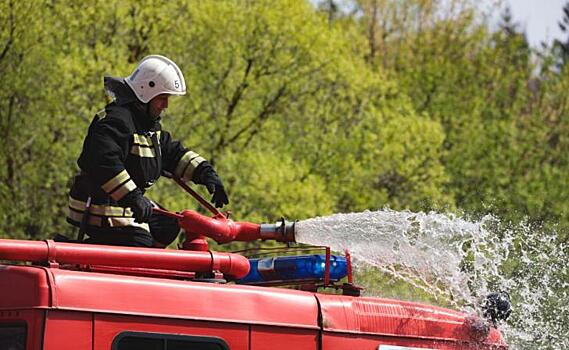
539 18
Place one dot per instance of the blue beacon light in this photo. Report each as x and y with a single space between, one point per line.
288 268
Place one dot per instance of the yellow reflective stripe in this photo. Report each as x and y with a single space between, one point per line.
99 209
182 164
77 204
103 210
123 190
121 222
142 151
142 140
110 222
78 217
187 164
116 181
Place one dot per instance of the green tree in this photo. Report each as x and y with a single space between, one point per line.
29 122
561 47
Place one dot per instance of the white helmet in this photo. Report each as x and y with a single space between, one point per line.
156 75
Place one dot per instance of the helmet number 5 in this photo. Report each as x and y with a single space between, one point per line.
176 84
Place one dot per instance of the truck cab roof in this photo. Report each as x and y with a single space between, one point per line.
48 288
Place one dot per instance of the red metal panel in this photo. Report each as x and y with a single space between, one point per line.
108 327
34 323
281 338
397 318
183 299
23 287
68 330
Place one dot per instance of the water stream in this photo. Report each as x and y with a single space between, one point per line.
457 262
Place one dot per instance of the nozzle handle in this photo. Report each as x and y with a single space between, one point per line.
207 205
167 213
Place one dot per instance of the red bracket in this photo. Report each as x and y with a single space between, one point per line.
349 267
327 268
51 254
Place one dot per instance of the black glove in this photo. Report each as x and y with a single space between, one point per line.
205 175
141 206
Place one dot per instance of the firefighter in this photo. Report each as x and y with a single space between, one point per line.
125 152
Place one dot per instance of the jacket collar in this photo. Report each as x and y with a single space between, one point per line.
141 117
123 95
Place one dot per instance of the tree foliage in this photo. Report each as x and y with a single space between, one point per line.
413 105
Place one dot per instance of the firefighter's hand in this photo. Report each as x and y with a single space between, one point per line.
215 187
208 177
219 197
141 206
142 209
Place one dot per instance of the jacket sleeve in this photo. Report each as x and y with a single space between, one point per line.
104 153
177 159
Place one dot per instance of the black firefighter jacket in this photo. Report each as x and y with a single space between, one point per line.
124 149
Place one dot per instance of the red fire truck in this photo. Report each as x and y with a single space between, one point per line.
93 297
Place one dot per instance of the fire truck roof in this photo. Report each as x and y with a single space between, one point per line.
25 287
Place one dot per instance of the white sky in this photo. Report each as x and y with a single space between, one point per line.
539 18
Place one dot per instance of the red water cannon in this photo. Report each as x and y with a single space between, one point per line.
222 229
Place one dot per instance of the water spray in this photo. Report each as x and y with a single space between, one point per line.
461 263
